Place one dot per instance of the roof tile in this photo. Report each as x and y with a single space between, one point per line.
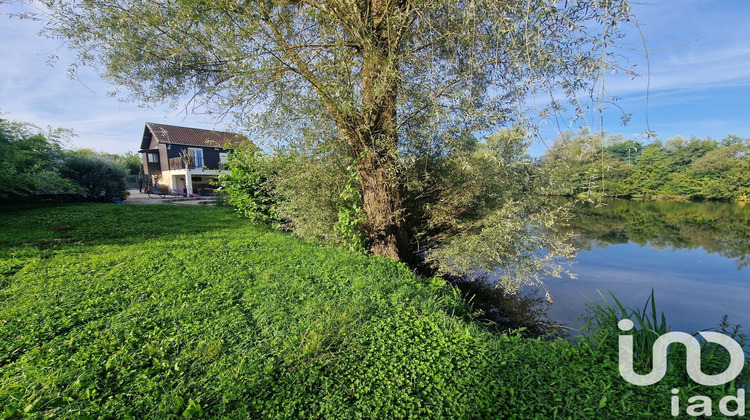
193 136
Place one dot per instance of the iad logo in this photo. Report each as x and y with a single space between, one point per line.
659 368
693 363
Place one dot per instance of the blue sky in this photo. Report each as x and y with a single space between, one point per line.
699 54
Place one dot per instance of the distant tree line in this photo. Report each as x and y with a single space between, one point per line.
687 168
35 166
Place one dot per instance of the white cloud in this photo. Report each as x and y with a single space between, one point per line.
693 45
33 91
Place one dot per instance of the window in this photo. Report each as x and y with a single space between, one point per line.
223 157
152 157
197 157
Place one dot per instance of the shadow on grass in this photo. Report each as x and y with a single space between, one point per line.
48 228
45 226
504 312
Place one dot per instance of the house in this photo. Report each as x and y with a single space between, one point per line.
185 158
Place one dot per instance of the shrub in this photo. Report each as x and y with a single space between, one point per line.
246 185
30 163
101 178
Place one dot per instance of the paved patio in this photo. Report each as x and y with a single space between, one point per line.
137 197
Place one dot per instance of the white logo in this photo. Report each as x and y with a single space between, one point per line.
659 366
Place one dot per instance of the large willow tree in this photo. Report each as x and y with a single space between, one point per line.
393 78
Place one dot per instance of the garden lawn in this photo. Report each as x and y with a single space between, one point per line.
170 311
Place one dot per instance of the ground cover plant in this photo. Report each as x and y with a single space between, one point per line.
167 311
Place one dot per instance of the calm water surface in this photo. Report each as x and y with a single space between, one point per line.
696 257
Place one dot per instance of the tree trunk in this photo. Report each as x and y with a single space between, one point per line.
383 206
375 141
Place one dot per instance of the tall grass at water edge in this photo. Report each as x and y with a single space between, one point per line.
600 327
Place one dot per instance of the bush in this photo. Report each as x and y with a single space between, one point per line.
246 186
102 179
33 166
31 162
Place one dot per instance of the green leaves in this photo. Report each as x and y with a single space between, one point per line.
514 242
101 179
247 185
31 162
33 166
697 169
350 224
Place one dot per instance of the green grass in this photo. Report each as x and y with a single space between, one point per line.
168 311
648 324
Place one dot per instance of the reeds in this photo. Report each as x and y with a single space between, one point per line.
601 324
600 328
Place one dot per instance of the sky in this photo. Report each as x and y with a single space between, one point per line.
698 83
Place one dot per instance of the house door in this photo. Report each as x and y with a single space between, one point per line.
179 182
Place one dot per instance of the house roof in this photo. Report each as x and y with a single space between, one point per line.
172 134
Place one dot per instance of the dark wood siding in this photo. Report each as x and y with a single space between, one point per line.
210 155
150 168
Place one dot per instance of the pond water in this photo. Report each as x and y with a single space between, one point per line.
695 256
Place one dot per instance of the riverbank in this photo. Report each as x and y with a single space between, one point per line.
165 311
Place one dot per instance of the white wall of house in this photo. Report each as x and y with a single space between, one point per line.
181 179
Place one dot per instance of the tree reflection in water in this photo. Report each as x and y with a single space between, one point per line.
721 228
